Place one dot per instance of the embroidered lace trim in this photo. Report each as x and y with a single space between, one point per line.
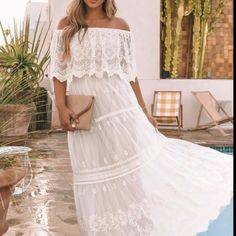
134 221
101 52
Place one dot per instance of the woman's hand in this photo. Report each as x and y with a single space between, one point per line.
151 119
137 91
66 115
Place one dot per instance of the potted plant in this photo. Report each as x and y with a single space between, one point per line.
9 177
22 66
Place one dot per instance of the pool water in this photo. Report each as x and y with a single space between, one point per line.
223 225
228 150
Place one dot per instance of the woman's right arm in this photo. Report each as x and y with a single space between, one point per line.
65 114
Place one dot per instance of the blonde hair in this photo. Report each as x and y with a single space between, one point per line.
76 12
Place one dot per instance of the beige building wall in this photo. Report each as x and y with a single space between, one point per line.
33 10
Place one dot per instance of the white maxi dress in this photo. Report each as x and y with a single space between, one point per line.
129 179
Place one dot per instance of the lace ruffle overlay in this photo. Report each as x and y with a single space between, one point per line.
102 50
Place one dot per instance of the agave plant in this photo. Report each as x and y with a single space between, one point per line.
23 61
22 64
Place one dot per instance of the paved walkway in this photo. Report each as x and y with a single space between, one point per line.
48 204
47 207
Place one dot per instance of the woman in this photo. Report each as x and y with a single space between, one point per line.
129 179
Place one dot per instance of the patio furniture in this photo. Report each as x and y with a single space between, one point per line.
213 110
167 108
18 156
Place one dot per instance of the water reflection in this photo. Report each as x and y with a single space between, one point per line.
47 207
223 225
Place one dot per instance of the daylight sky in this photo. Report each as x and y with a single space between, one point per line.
13 8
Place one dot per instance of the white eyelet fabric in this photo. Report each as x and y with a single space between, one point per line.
130 180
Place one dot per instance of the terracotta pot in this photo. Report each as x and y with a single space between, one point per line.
16 119
8 179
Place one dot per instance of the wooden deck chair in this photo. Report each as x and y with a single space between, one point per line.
167 108
213 110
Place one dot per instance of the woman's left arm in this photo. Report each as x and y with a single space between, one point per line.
137 91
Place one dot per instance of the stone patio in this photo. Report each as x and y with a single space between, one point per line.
211 137
47 206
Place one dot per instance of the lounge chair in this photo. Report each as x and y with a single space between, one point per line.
213 110
167 108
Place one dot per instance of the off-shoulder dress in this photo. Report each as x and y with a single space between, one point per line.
129 179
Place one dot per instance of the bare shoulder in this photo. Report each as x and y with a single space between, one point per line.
63 23
120 23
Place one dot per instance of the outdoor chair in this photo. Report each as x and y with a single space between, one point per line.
167 108
213 110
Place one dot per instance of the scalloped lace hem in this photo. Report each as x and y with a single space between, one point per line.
107 73
216 214
97 75
137 220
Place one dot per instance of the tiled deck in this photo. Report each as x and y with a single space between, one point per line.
210 137
47 207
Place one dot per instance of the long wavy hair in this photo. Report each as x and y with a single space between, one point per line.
75 18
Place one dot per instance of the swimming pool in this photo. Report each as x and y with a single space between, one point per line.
224 149
223 225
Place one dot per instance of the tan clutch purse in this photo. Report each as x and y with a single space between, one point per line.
82 106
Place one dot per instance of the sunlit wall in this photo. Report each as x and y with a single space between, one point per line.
13 9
